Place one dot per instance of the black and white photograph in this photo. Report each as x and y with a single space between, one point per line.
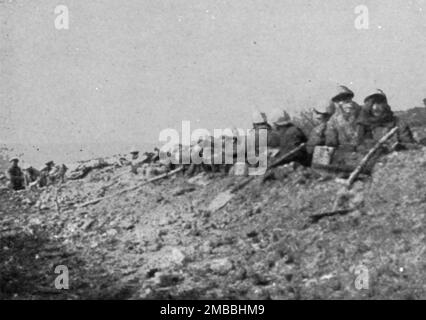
227 152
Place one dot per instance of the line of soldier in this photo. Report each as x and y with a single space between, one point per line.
20 179
341 123
345 124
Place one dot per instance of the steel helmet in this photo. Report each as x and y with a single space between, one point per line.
324 107
377 97
280 117
342 93
134 150
259 117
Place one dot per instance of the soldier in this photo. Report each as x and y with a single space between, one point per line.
261 129
260 121
286 136
156 155
322 112
45 178
341 95
343 129
134 153
57 174
31 175
15 175
136 162
49 166
378 119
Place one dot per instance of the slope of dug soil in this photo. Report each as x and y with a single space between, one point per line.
162 241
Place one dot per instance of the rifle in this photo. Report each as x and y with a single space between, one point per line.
282 160
224 197
349 182
369 155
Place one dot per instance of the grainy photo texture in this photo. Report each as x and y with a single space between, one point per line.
212 149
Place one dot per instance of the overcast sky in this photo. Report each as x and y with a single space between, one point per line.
127 69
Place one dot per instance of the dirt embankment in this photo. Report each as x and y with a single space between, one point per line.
161 241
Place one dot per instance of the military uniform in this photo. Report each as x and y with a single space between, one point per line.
16 178
31 175
45 175
343 130
254 148
44 178
287 138
323 112
316 137
135 164
372 130
377 119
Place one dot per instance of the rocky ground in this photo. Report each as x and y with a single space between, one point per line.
164 240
